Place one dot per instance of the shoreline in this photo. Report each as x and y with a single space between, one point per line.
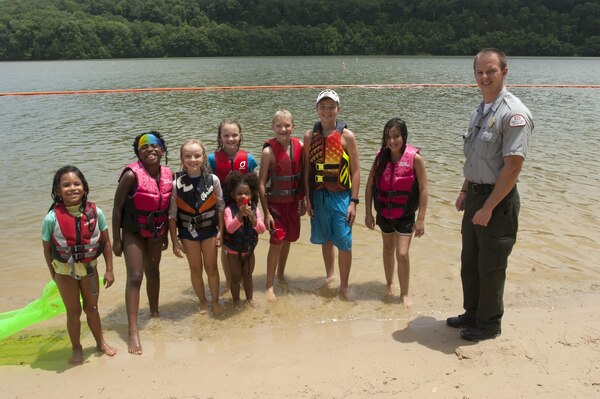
542 352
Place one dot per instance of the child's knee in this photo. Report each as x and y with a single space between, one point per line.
90 309
74 312
135 280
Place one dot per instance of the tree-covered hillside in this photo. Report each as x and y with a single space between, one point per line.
75 29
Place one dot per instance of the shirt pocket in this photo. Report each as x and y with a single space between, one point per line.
489 144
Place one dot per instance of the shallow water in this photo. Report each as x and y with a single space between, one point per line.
557 248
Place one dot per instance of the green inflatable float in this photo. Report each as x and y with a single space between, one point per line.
50 304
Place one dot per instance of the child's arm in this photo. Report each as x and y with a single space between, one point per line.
266 160
47 229
352 150
109 276
421 172
177 247
219 240
232 223
258 223
306 174
48 257
369 220
303 193
220 209
125 184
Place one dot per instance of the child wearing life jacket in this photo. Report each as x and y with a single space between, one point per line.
332 180
281 194
140 211
196 220
74 234
227 158
397 185
243 224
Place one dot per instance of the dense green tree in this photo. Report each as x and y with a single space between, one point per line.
71 29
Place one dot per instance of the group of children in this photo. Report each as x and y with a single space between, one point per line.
213 202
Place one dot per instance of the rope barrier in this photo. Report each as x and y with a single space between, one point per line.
286 87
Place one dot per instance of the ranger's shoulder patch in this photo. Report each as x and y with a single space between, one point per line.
517 121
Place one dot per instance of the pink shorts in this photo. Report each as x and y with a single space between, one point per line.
287 222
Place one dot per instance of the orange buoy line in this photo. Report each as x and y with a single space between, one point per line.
283 87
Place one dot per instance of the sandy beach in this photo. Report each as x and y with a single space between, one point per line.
543 353
550 345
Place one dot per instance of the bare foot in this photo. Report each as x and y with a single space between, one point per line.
216 308
251 303
106 349
347 294
203 307
77 355
388 290
270 295
135 346
154 315
328 282
406 301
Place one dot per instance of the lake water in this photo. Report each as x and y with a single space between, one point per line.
559 231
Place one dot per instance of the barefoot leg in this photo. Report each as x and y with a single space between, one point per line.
77 355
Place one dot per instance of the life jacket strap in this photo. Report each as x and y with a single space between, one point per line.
283 193
325 179
326 166
286 178
77 248
203 220
393 193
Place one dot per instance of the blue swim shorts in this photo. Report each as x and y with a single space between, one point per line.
329 220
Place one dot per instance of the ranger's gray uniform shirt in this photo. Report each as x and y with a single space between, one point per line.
504 130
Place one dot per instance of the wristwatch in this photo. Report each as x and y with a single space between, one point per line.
355 200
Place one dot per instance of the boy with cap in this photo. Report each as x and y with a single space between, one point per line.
332 179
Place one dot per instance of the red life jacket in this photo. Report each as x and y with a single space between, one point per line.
397 190
151 200
329 163
76 238
283 181
225 165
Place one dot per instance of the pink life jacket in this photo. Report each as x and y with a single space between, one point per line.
284 185
76 238
397 190
151 199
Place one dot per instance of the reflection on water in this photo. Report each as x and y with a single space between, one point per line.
560 183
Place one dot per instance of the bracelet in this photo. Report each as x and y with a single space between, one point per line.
355 200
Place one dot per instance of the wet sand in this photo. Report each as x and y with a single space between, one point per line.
311 344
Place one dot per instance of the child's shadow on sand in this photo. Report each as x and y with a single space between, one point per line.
432 333
56 359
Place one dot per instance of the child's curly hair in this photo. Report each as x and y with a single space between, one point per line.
234 179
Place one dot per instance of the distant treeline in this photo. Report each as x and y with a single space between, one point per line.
79 29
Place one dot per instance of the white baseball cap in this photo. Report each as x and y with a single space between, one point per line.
328 94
